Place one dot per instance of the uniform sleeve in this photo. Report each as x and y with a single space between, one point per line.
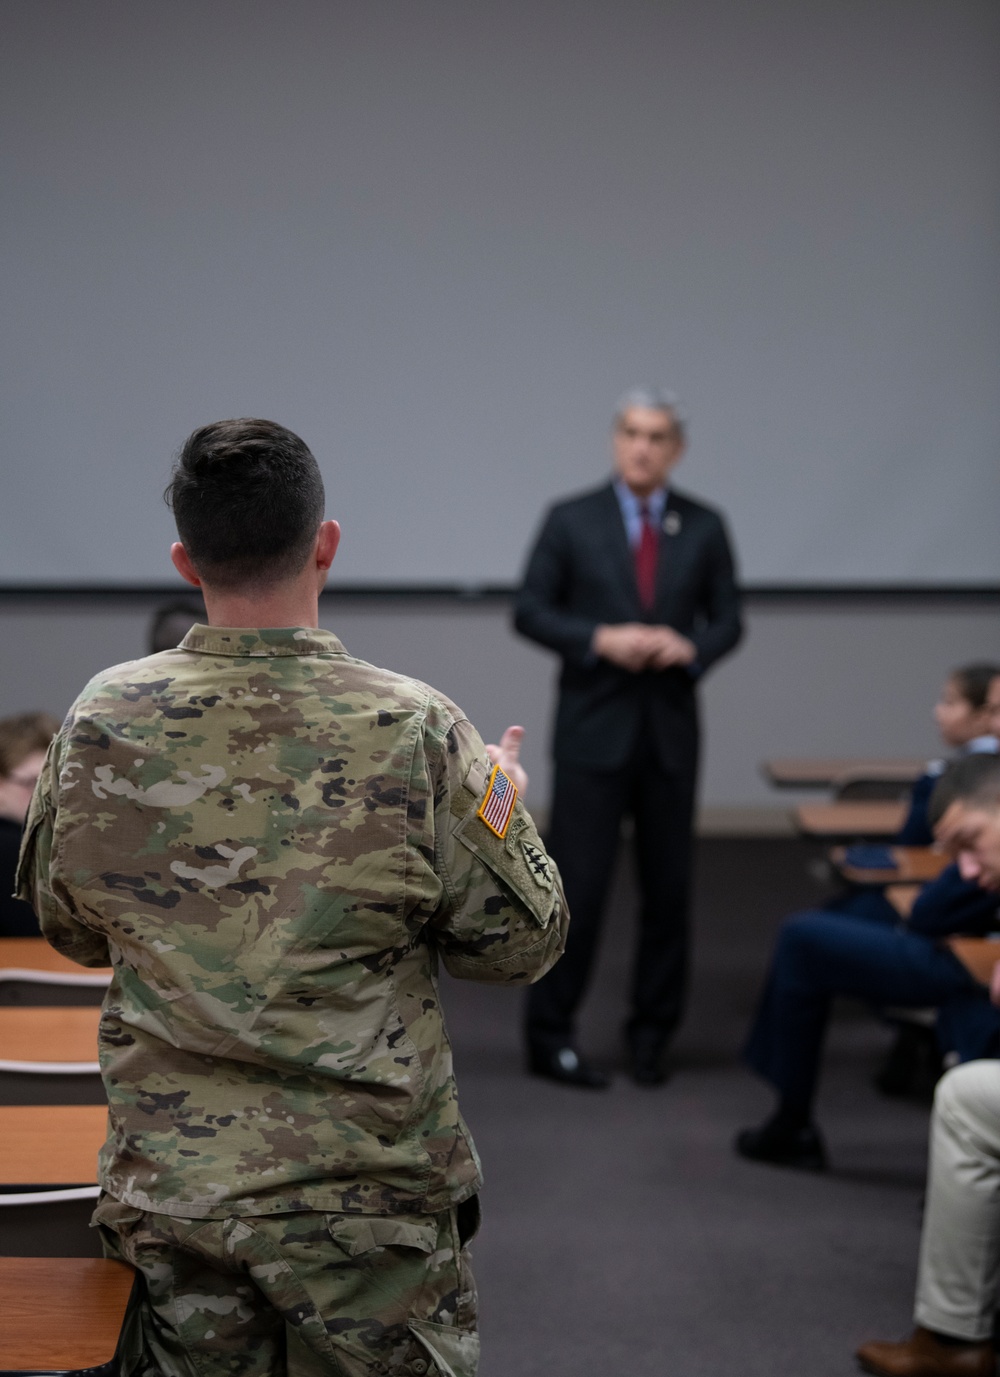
38 884
503 916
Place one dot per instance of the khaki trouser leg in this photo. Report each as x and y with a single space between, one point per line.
959 1270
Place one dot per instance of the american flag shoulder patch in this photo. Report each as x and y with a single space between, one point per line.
498 805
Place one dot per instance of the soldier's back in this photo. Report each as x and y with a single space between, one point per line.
251 826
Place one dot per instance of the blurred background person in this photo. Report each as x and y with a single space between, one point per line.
171 623
24 739
959 1268
866 949
633 585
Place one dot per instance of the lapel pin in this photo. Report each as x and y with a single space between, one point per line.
672 523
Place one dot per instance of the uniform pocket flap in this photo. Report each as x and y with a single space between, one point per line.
361 1235
455 1351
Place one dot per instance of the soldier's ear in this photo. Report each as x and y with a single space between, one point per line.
182 563
327 541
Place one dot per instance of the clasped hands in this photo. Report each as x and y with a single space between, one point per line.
636 646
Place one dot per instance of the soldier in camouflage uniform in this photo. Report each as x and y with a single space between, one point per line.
274 844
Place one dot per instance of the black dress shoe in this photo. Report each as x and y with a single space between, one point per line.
646 1058
650 1073
777 1143
913 1066
566 1065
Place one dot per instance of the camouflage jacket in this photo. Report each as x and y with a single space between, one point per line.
273 843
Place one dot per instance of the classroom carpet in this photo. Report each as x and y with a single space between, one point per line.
621 1234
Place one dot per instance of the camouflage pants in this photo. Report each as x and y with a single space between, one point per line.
302 1294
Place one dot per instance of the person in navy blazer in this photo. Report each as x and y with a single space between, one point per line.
633 586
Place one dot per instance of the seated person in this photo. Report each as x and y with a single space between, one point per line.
959 1269
963 718
171 623
962 715
23 743
820 954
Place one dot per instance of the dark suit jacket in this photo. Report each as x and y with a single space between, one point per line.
580 574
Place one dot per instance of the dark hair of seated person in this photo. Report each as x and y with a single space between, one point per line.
973 682
23 740
974 780
171 623
247 497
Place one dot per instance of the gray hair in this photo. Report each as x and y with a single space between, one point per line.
653 399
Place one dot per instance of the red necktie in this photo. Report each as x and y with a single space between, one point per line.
645 560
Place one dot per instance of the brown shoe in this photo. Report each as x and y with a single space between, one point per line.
924 1355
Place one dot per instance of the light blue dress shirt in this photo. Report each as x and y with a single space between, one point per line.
631 509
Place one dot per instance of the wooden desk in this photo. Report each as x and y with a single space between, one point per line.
914 865
902 898
31 957
51 1145
65 1037
61 1313
829 773
836 821
977 954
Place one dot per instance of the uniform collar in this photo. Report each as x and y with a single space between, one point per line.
263 642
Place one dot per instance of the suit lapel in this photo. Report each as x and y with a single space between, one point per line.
673 550
616 543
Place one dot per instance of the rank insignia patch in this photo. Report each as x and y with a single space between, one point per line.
497 806
538 864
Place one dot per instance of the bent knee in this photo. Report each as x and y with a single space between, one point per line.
803 931
970 1092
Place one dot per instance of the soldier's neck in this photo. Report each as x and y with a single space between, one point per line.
285 605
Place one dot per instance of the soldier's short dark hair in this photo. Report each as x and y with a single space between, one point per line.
247 497
974 780
973 681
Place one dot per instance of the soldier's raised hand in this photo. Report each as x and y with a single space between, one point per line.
507 756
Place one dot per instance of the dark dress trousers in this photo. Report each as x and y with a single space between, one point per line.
624 743
821 954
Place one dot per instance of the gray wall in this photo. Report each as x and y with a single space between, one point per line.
439 238
833 678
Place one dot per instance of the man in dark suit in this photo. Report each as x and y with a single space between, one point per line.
632 584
